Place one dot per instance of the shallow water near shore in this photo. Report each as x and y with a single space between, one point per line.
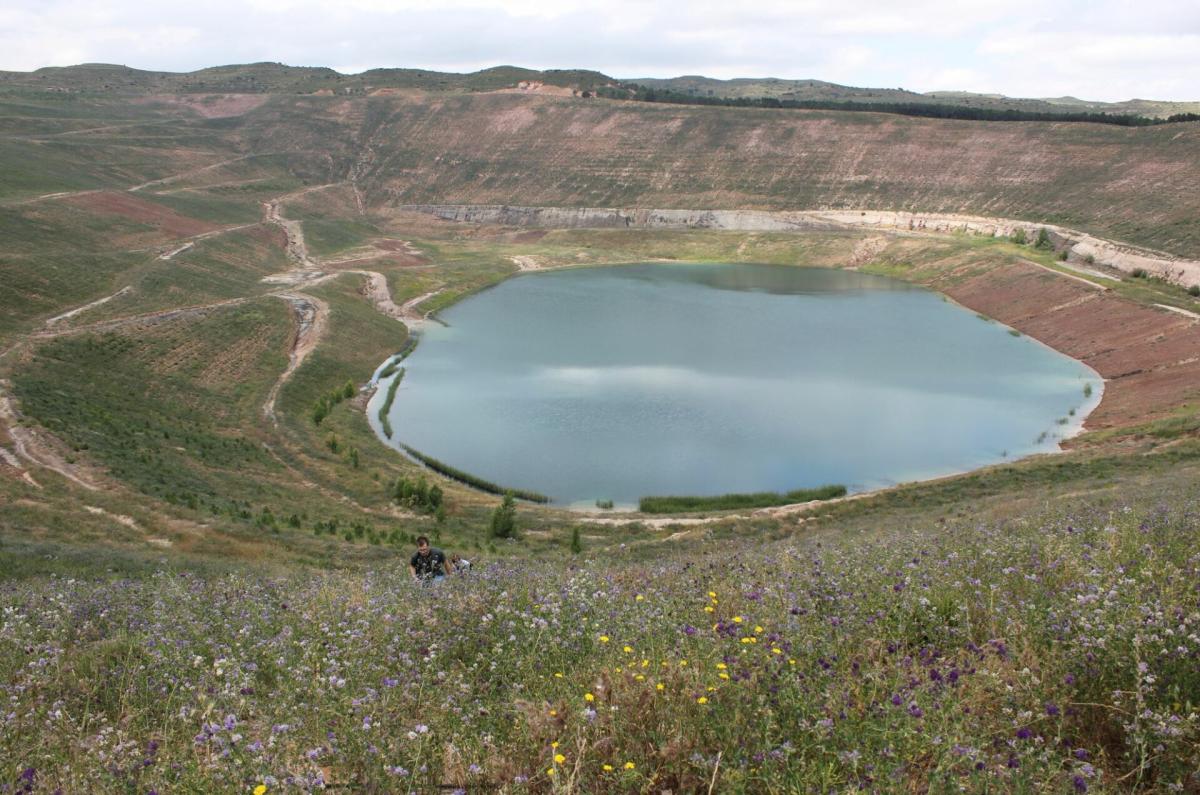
619 382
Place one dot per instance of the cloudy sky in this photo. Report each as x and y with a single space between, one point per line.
1094 49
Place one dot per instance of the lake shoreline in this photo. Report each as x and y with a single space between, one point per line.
528 265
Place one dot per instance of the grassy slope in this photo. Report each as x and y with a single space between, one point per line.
986 650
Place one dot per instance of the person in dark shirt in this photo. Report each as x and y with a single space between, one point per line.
427 563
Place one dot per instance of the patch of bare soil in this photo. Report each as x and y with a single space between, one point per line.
193 172
174 251
866 251
137 209
312 315
80 310
1149 357
210 106
134 321
526 262
119 518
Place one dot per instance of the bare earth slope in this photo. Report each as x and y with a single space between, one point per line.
1136 185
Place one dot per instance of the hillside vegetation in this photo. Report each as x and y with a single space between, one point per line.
1132 185
204 541
1050 651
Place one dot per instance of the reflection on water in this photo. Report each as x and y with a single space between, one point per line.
615 383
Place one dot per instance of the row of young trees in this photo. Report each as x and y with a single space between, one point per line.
326 402
936 110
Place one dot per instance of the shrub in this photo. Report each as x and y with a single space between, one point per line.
504 519
1194 291
1043 239
1018 236
418 495
326 402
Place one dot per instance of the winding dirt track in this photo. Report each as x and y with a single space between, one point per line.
34 446
312 318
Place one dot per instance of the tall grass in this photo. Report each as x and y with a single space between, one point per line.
728 502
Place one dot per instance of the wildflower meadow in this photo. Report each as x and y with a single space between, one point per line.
1060 654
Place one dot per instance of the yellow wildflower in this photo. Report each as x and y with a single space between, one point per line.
660 686
630 765
604 638
261 789
712 594
702 700
721 666
607 768
639 598
549 771
558 676
776 650
708 608
559 758
554 744
737 619
627 649
758 630
640 677
722 675
588 697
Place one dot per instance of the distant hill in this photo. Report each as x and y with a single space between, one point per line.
819 90
276 78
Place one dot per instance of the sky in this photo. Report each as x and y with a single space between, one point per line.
1106 50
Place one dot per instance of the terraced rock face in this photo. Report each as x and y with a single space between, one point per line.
1135 185
1126 184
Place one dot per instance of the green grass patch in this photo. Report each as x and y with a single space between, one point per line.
151 410
729 502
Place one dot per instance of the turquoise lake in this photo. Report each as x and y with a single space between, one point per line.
616 383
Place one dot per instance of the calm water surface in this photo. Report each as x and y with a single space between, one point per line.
621 382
